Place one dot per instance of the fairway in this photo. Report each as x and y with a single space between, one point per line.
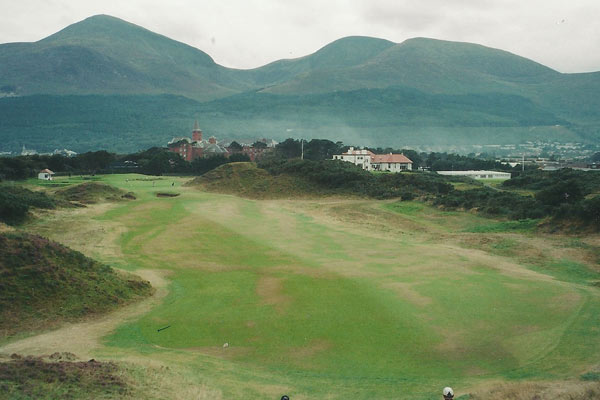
338 298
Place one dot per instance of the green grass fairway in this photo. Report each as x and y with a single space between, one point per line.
345 299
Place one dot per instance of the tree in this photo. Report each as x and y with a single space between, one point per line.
562 192
290 148
259 145
157 165
239 157
235 146
321 149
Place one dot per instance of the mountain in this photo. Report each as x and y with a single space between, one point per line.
105 55
104 82
426 64
343 53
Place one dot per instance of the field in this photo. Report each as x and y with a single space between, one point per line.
329 298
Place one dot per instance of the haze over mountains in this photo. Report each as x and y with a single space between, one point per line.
104 82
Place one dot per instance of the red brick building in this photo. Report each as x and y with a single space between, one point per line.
191 148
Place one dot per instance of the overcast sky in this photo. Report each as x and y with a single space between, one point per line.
562 34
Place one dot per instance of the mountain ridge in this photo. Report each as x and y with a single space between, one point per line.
422 84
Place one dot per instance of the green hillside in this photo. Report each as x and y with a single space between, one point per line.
138 88
343 53
377 117
45 283
426 64
103 54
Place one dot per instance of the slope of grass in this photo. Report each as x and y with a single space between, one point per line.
90 193
44 283
337 298
245 179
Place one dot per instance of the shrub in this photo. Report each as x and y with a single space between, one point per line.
15 202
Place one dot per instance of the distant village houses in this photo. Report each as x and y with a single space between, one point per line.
195 147
370 161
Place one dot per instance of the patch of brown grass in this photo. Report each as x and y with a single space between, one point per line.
270 290
568 390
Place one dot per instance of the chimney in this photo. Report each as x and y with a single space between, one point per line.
212 140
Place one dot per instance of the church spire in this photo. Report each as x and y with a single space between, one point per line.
196 133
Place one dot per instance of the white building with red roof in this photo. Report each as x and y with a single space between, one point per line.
45 174
370 161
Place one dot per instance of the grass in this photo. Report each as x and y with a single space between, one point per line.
343 298
36 378
523 225
44 284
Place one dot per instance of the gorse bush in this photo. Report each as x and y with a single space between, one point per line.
586 181
16 201
495 203
348 178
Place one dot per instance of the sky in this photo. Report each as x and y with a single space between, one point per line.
561 34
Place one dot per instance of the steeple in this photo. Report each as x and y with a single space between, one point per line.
196 133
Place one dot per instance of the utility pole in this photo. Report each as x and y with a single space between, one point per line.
523 163
302 149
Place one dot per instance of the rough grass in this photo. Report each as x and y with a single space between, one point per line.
91 192
44 283
346 299
569 390
36 378
246 180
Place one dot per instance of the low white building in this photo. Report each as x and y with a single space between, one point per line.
370 161
45 174
391 162
478 174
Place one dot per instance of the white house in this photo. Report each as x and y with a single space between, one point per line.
478 174
375 162
45 174
391 162
356 157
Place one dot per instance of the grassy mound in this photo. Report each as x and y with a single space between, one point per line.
247 180
92 192
44 283
35 378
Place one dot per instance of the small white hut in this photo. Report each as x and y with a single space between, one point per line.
45 174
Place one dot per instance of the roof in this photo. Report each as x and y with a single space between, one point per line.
177 140
46 171
196 127
471 172
214 149
390 158
358 153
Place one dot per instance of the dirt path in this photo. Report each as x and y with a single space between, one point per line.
83 338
